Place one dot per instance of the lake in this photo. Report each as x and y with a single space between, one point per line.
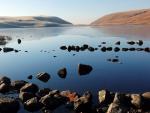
40 52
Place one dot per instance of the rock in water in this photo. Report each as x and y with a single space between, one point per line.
136 100
19 41
29 87
62 73
24 96
43 76
16 85
7 49
84 69
32 105
4 84
9 105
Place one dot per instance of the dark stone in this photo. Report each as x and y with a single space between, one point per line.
91 49
125 49
85 46
84 69
103 49
43 92
32 105
9 105
4 84
116 49
43 76
109 48
16 85
62 73
139 49
132 49
29 87
115 60
140 42
5 80
118 43
131 42
103 42
63 47
7 49
146 100
16 51
24 96
30 77
136 100
147 49
19 41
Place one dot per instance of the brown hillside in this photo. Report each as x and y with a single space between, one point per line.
135 17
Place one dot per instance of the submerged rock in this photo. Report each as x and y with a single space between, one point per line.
62 73
30 77
84 69
4 84
9 105
29 87
43 76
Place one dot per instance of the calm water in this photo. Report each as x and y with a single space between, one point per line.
131 75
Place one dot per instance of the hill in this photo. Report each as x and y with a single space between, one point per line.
136 17
32 21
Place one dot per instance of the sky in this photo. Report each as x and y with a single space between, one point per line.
75 11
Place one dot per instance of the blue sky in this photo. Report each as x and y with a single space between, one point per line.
75 11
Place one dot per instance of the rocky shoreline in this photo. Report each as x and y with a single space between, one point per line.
46 100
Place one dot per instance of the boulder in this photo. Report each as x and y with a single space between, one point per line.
146 95
4 84
29 87
30 77
24 96
62 73
146 100
9 105
16 85
32 105
118 43
136 100
43 76
91 49
116 49
63 47
52 100
43 92
105 97
84 103
5 80
147 49
131 42
140 42
84 69
103 49
116 108
109 48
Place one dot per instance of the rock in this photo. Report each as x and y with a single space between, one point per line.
147 49
16 51
30 77
125 49
83 104
103 42
4 84
7 49
109 48
43 76
72 96
116 49
84 69
16 85
85 46
43 92
77 48
118 43
146 95
140 42
24 96
62 73
105 97
139 49
5 80
91 49
63 47
19 41
29 87
52 101
131 42
116 108
132 49
115 60
136 100
103 49
9 105
4 88
32 105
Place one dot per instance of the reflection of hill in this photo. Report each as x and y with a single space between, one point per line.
135 32
30 21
